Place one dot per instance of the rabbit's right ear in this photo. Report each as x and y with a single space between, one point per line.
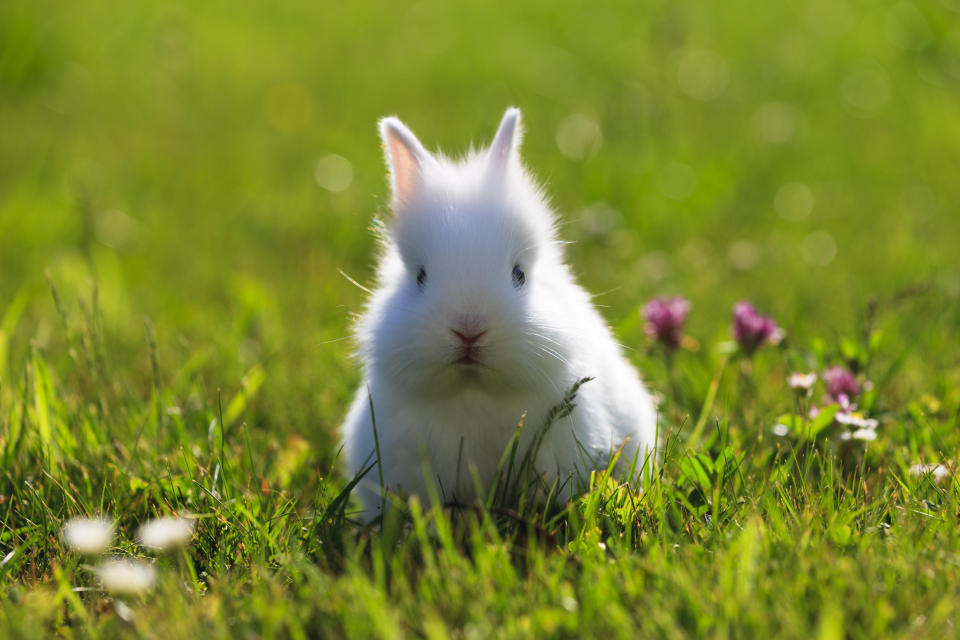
406 158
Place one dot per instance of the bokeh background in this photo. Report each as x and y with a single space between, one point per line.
210 166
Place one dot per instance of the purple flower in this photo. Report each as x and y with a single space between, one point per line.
751 329
841 382
665 319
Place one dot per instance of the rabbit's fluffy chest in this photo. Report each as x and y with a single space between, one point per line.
455 442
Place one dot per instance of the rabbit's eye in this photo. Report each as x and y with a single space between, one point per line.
421 277
518 277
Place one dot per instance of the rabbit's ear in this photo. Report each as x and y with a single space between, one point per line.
406 158
505 149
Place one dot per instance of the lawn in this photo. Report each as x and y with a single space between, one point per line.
186 199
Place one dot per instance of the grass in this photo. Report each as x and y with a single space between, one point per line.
173 326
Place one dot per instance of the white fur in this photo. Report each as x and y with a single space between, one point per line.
467 222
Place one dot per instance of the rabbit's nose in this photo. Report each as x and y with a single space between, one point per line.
468 339
468 328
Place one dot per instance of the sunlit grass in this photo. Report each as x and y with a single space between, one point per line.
179 186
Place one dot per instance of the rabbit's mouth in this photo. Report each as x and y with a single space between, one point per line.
468 356
468 353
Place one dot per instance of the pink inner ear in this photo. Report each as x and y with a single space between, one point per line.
403 167
405 158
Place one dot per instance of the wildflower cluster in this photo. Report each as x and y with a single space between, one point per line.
126 576
841 389
838 411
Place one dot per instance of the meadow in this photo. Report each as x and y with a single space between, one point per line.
186 196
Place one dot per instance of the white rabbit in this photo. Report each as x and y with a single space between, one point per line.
477 324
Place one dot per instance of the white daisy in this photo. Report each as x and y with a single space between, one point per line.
855 419
88 535
801 381
126 576
165 534
937 471
860 434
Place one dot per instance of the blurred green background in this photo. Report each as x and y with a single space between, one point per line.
212 165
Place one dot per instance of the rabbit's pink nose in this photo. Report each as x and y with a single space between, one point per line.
468 339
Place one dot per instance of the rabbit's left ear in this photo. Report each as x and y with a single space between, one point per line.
505 150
